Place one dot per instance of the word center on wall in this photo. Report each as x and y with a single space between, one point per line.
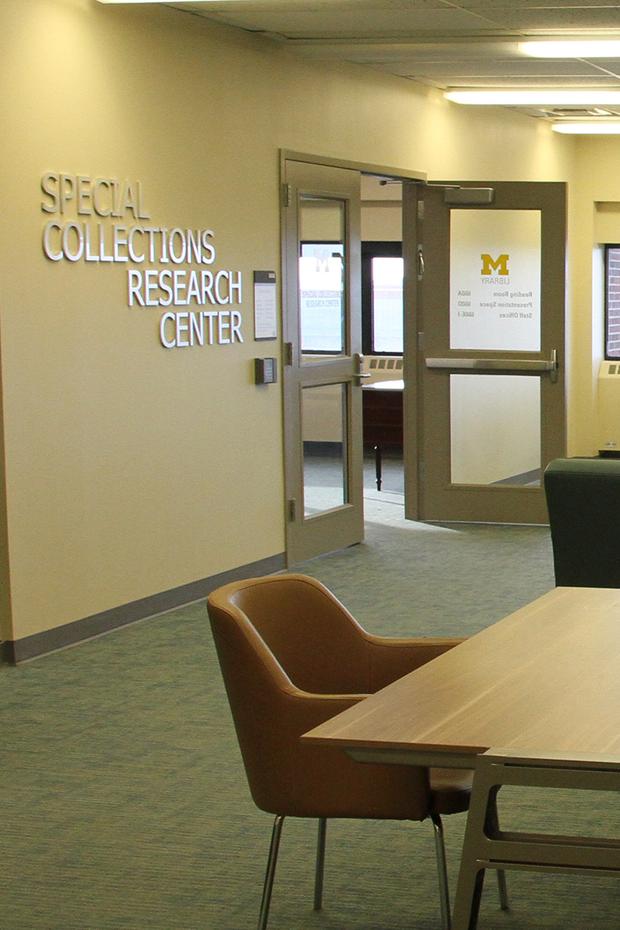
104 221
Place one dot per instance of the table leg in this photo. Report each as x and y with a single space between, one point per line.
486 846
378 466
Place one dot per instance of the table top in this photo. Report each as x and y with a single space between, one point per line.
546 678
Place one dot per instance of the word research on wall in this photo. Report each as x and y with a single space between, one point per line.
105 221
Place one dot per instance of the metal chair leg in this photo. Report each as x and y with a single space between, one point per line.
320 864
270 873
442 872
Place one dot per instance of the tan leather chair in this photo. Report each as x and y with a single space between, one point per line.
292 656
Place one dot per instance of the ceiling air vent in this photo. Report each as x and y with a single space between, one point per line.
577 111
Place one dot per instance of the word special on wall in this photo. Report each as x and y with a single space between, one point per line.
105 222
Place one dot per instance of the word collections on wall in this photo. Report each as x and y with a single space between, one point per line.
105 221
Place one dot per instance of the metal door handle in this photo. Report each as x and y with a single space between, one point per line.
420 258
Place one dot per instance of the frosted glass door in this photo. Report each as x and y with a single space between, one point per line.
495 430
491 298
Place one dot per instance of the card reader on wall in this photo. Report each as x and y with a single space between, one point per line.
265 371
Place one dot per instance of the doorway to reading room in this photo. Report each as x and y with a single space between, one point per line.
377 406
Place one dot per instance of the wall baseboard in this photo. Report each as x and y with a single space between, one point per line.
20 650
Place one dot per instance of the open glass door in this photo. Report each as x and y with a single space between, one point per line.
490 348
322 331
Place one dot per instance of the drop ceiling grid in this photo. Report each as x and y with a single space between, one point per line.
441 43
348 23
316 18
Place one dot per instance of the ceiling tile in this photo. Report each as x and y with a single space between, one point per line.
352 22
535 19
511 69
456 43
496 7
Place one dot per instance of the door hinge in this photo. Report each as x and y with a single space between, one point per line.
288 353
420 209
291 507
287 194
422 471
420 342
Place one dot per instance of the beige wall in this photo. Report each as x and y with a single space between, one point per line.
382 222
131 469
382 210
5 581
595 219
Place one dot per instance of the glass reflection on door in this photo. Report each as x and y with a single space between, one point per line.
322 292
324 432
495 430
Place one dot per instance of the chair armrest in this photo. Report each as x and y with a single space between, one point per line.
307 711
392 658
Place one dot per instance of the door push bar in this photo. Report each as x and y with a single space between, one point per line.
500 364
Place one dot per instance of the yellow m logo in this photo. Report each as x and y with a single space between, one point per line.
498 265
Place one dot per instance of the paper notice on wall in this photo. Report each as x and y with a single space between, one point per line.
265 305
495 280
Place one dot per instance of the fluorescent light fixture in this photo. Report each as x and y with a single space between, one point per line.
572 48
552 97
598 128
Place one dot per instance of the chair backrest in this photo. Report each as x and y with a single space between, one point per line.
277 639
319 645
583 500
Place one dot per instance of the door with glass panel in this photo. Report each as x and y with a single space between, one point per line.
491 269
322 378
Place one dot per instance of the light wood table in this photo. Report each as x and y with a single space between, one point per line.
533 699
544 678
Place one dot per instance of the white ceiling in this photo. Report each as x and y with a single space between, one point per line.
469 44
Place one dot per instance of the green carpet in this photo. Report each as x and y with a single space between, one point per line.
124 800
